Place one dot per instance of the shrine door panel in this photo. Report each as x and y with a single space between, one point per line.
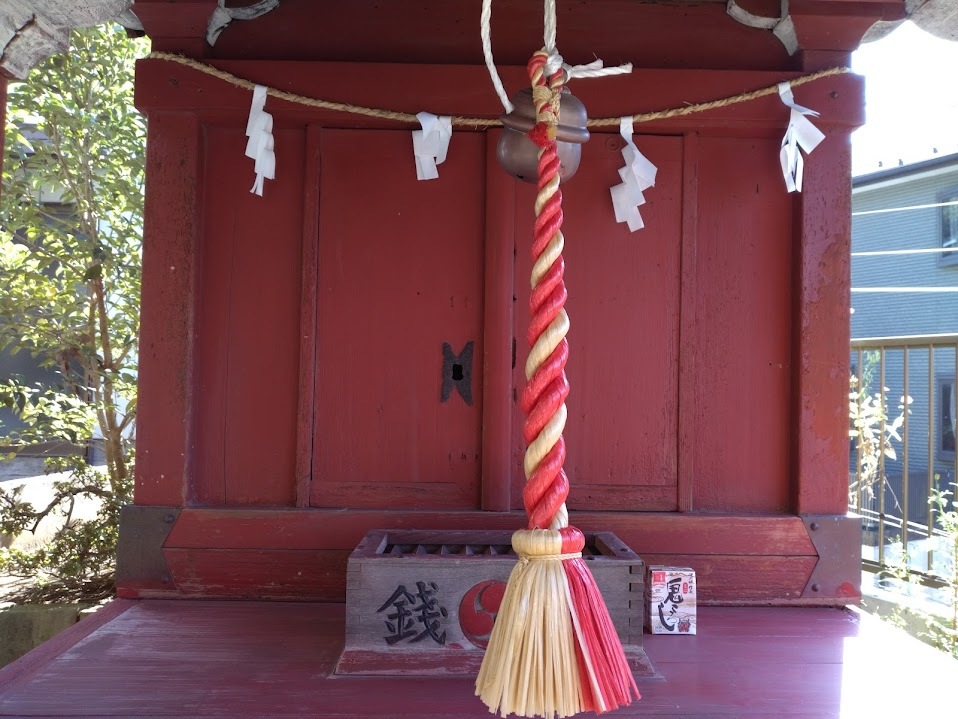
397 414
622 429
744 284
248 319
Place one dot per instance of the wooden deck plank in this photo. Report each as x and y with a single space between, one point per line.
775 622
261 659
22 669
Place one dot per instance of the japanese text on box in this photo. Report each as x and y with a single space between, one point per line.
671 592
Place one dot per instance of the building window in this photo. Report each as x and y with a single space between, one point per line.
949 229
946 419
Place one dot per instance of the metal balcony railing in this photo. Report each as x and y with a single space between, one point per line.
918 375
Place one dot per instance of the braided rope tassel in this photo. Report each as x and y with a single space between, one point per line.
554 651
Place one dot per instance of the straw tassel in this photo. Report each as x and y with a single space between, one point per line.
554 651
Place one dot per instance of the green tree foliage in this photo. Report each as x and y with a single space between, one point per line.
873 430
71 212
876 433
943 630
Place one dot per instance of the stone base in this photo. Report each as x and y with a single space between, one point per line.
23 627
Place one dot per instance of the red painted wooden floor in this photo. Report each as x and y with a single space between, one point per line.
257 659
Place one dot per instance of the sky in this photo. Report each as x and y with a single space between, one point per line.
911 103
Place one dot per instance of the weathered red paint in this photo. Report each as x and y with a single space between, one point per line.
824 294
743 375
254 553
307 321
436 31
259 659
498 333
291 359
624 293
660 532
688 318
171 241
248 325
399 275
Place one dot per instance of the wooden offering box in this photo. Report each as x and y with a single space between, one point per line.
424 602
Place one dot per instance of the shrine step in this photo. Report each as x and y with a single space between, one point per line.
424 602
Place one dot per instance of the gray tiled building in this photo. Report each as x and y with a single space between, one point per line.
907 208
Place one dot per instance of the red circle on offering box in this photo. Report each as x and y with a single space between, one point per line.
478 609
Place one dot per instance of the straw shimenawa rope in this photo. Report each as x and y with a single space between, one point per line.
479 122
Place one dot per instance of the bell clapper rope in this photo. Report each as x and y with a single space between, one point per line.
554 651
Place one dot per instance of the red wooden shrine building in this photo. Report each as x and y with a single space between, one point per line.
292 350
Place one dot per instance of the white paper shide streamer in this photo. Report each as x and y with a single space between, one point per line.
259 146
430 144
637 175
800 135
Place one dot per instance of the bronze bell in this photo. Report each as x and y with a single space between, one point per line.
519 155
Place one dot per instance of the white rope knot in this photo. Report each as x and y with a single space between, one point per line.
554 62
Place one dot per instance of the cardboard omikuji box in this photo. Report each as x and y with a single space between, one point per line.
671 592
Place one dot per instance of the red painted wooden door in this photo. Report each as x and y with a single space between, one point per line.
399 276
624 293
247 325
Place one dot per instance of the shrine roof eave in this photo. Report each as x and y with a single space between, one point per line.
31 30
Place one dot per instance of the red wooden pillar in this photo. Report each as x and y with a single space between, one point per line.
821 374
823 301
170 239
823 283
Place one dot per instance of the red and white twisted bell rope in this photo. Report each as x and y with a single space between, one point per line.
605 679
543 399
554 650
